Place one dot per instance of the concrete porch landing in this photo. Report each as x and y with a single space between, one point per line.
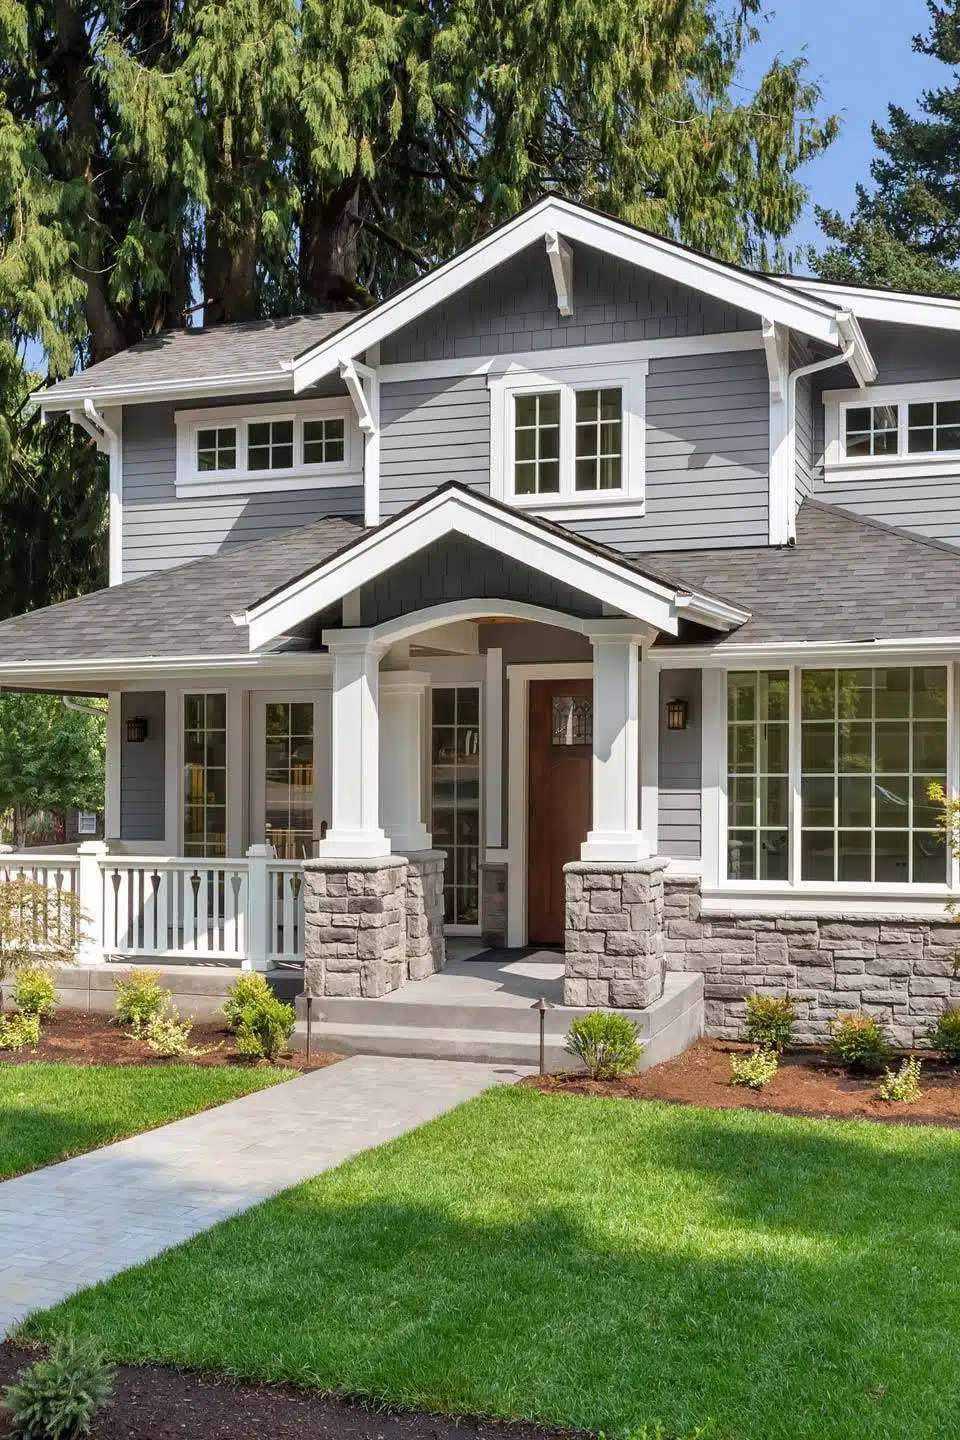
479 1009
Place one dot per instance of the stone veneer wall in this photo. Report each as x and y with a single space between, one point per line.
614 933
370 925
900 970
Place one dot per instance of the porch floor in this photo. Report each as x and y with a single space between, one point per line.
511 978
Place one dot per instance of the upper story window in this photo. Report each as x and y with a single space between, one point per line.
892 430
569 440
245 448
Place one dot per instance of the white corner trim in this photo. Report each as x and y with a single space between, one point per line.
114 760
107 435
782 477
493 763
363 383
741 288
460 512
560 255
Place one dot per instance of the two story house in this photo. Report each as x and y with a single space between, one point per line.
588 592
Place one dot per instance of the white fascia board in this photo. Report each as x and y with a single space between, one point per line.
773 299
105 674
53 400
508 534
934 312
901 650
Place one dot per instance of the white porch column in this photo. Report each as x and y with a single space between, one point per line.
403 698
615 834
355 831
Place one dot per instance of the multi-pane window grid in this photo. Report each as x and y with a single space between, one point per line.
205 775
324 441
270 445
599 440
872 743
537 444
758 775
455 797
289 766
217 448
914 428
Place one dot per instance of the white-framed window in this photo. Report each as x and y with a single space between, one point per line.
829 772
249 448
888 431
569 440
455 797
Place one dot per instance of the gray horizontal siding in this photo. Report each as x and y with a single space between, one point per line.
708 457
159 530
927 506
142 768
432 431
515 309
679 820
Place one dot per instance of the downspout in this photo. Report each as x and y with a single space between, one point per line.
792 379
107 439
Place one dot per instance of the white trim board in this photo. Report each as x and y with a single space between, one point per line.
899 307
772 299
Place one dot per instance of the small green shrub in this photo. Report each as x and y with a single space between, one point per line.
264 1029
34 992
168 1035
249 988
769 1021
140 999
606 1043
858 1041
944 1034
903 1084
754 1070
19 1032
57 1398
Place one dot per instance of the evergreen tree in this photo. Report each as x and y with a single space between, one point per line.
51 758
905 232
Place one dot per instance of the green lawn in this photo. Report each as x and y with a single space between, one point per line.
48 1112
597 1263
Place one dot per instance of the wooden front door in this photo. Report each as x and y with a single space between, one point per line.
561 750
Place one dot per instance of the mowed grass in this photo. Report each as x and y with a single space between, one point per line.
595 1263
48 1112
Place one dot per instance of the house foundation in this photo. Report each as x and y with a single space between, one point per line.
372 924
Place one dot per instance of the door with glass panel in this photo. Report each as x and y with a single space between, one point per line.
287 787
455 798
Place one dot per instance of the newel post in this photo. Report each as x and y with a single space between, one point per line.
258 908
91 901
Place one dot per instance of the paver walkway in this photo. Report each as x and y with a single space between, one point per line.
68 1226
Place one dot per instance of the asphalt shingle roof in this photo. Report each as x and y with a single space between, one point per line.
183 611
189 356
847 578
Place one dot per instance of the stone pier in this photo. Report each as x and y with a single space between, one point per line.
614 933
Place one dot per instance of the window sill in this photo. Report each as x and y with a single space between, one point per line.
265 485
566 507
897 467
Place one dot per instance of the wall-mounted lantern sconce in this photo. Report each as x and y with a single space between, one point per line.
137 730
676 714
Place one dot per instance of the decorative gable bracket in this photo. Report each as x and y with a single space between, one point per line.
560 255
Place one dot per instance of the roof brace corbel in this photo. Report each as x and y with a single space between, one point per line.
560 255
356 377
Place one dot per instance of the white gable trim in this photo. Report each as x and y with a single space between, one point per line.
772 299
899 307
506 532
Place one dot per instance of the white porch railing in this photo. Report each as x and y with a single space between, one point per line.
247 911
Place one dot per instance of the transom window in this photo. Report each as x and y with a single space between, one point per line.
871 743
915 425
244 447
270 445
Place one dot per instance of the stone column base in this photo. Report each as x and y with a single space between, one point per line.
614 933
426 947
370 925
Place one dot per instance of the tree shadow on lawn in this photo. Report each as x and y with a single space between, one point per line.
787 1280
31 1138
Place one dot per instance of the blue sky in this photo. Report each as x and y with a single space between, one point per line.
860 53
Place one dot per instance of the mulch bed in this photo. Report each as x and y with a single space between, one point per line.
160 1402
807 1083
87 1037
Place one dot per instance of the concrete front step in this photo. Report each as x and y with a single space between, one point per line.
492 1033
